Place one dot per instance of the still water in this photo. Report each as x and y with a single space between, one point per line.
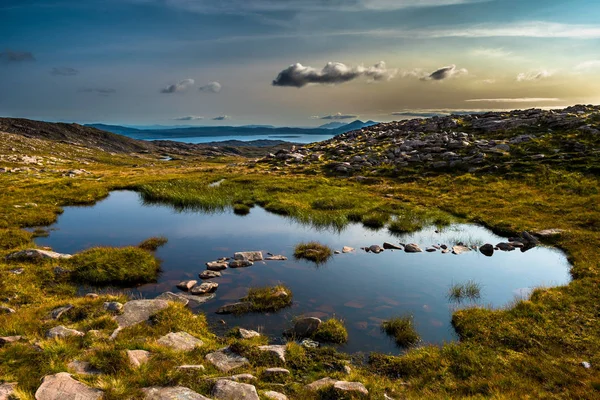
361 288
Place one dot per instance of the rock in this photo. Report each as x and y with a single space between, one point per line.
113 306
60 332
37 254
176 298
310 344
208 274
235 308
216 265
459 249
501 147
137 311
271 395
530 238
277 350
306 326
62 386
276 258
9 340
16 271
390 246
412 248
240 264
337 252
347 249
180 341
243 378
248 334
249 255
276 373
7 390
187 285
375 249
546 233
195 301
351 388
91 296
225 389
171 393
320 384
225 360
505 246
83 368
586 365
6 310
138 357
431 249
487 250
204 288
517 245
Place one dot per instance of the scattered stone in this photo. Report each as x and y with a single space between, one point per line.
375 249
390 246
240 264
310 344
180 341
225 360
351 388
62 386
113 306
225 389
7 390
187 285
137 311
444 246
60 271
517 245
306 326
276 258
171 393
487 250
208 274
347 249
412 248
249 255
235 308
186 367
138 357
505 246
36 254
431 249
216 266
204 288
60 332
277 350
6 310
174 297
320 384
276 373
271 395
248 334
83 368
9 340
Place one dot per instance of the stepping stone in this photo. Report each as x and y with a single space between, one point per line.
487 250
460 249
171 393
83 368
138 357
412 248
276 373
204 288
431 249
113 306
195 301
228 390
62 332
216 265
208 274
271 395
225 360
62 386
186 285
320 384
347 249
234 308
248 334
391 246
305 327
37 254
248 255
240 264
351 388
277 350
276 258
176 298
180 341
137 311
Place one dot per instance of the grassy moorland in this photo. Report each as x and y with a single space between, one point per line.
530 349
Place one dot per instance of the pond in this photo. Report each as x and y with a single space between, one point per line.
361 288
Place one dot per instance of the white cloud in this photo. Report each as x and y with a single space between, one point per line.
534 75
587 66
491 53
488 81
189 118
516 100
221 118
338 116
212 87
180 86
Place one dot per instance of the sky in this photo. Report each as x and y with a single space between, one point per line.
292 62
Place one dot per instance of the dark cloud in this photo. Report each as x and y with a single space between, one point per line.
100 91
180 86
339 116
212 87
189 118
445 73
10 56
297 75
221 118
64 71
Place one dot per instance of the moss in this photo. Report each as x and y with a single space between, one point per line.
269 298
332 331
313 251
153 243
402 330
119 266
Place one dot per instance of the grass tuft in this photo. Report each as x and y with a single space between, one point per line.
402 330
313 251
241 209
460 291
332 331
269 298
153 243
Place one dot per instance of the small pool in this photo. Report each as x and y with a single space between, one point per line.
361 288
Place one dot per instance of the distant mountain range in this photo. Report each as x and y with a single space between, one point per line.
163 132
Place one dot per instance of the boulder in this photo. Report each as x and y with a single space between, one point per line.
171 393
412 248
113 306
176 298
83 368
460 249
235 308
249 255
137 311
320 384
530 238
138 357
37 254
306 326
271 395
505 246
225 389
487 250
240 264
180 341
351 388
208 274
225 360
277 350
204 288
391 246
216 265
375 249
248 334
347 249
62 386
276 373
186 285
58 312
61 332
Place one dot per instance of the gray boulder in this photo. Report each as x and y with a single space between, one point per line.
62 386
61 332
225 389
204 288
351 388
249 255
226 360
271 395
276 350
208 274
216 265
174 297
171 393
412 248
113 306
375 249
137 311
248 334
180 341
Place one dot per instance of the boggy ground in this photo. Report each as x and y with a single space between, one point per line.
532 349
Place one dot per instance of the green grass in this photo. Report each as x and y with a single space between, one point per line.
375 220
14 238
153 243
313 251
332 331
269 298
402 330
469 290
114 266
241 209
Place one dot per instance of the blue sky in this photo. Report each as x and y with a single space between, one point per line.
291 62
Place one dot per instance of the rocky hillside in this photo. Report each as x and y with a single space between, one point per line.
494 141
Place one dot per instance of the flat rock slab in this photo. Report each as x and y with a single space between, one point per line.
187 367
6 390
351 388
180 341
225 360
228 390
138 357
248 255
204 288
171 393
174 297
137 311
320 384
61 332
277 350
271 395
208 274
62 386
37 254
195 301
276 258
276 373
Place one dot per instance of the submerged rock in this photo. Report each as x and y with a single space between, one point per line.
235 308
176 298
276 258
240 264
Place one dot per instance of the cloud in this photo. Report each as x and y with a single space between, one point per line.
338 116
221 118
588 66
297 75
100 91
491 53
445 73
180 86
534 75
10 56
189 118
517 100
212 87
64 71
